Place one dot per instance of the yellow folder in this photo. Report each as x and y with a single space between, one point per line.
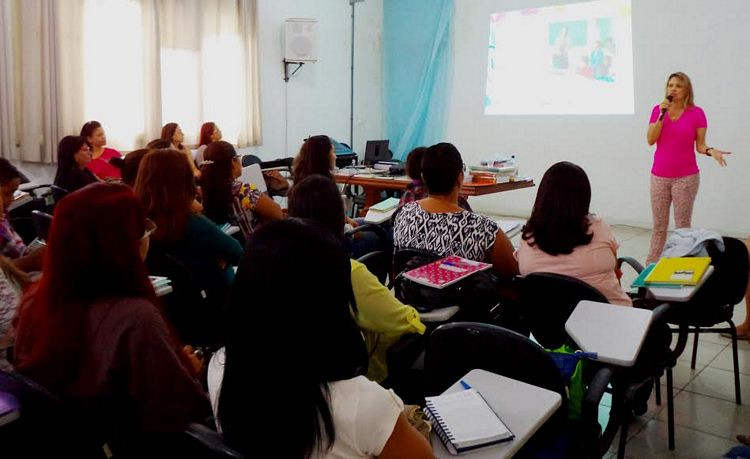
682 271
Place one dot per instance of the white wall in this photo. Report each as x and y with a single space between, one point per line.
700 37
318 95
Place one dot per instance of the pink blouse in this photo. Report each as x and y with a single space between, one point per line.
593 263
101 166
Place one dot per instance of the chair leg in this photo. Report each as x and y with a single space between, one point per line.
695 348
623 434
737 392
657 390
670 409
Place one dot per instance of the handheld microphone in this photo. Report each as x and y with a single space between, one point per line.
664 110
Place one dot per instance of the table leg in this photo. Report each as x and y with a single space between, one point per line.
372 197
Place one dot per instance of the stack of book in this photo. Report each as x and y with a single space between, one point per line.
492 174
673 272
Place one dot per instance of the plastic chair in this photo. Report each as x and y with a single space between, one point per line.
548 299
195 320
42 222
249 160
47 427
714 303
455 349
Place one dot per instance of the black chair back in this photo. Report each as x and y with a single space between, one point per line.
727 285
249 160
187 308
455 349
47 427
547 300
42 222
378 263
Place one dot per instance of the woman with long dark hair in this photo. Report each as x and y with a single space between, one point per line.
228 200
101 156
73 155
303 378
562 235
173 133
91 331
210 132
316 156
166 187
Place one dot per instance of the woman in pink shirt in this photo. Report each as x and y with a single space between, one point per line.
101 156
674 175
562 237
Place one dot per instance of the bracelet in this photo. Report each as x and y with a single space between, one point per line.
707 149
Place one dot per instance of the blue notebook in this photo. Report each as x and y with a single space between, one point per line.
640 281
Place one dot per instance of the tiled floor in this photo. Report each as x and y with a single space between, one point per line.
706 417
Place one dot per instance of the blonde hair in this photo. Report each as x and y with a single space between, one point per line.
685 80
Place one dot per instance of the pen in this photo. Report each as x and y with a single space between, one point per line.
465 384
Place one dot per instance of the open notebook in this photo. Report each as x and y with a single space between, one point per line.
464 421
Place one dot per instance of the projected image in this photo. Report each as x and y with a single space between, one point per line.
568 59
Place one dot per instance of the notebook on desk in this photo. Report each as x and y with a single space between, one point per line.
464 421
445 272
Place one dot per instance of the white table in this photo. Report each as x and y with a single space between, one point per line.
680 294
522 407
614 332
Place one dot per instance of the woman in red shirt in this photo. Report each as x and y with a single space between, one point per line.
100 155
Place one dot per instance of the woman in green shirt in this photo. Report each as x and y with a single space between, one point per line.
382 318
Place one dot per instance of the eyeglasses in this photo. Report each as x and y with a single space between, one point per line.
150 228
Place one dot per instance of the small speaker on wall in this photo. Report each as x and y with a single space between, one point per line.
300 43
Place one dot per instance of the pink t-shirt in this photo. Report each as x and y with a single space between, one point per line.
101 166
593 263
675 148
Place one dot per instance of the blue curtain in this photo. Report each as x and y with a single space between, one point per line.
417 66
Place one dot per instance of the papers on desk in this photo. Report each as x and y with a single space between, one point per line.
161 285
464 421
510 228
19 198
381 211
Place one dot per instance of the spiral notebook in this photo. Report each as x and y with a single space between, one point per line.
465 422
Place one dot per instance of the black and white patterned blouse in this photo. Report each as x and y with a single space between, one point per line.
465 234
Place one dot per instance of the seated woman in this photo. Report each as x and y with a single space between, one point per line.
381 316
228 200
563 237
210 132
12 283
173 133
416 190
101 156
91 331
73 155
130 164
439 225
11 244
318 156
306 376
166 187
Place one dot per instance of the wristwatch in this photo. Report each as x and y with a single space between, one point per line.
707 151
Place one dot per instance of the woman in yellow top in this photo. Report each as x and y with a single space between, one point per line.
382 318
